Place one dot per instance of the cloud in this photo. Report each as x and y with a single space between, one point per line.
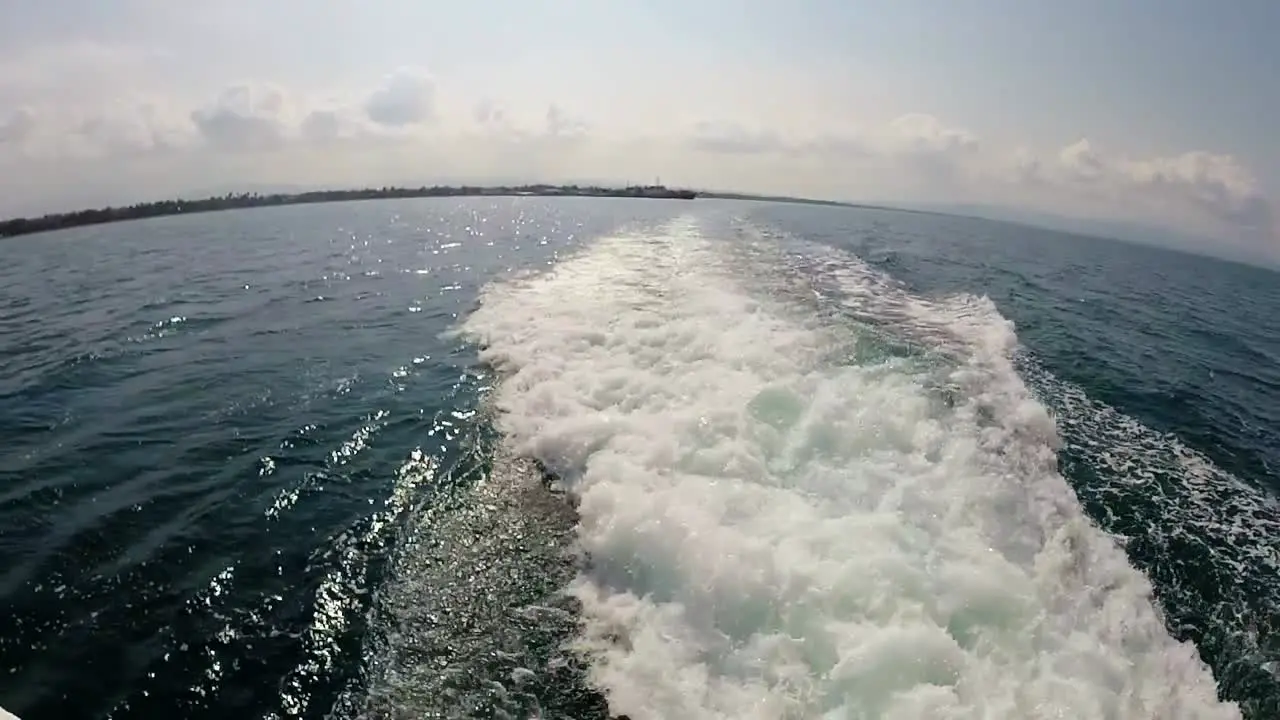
557 126
322 126
846 146
495 122
1216 190
1218 184
18 126
562 125
941 158
114 129
1214 186
407 97
487 113
132 128
733 138
1081 161
406 127
1025 167
914 135
335 124
244 118
923 134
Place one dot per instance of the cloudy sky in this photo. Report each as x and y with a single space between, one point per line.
1160 111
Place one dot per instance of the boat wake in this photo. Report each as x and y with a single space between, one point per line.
789 514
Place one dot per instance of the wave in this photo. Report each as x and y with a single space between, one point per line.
1210 540
785 517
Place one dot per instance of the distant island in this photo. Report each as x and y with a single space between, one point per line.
813 201
57 221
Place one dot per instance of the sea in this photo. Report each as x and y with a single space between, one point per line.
628 458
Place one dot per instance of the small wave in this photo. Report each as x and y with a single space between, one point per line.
469 622
1211 540
287 497
341 599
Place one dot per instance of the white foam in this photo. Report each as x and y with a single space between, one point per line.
774 533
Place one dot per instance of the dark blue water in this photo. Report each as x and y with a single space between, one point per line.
203 417
248 467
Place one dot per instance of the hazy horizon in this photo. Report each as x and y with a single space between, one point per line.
1148 113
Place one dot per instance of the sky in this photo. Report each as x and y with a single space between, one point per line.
1162 112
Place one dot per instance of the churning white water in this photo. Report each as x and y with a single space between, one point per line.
781 520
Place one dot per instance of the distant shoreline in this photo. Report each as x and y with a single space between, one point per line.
100 216
828 203
234 201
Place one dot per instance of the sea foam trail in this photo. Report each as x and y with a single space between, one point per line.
782 522
1156 495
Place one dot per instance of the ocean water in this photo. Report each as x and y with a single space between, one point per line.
581 458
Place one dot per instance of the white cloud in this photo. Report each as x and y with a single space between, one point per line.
1215 191
406 97
913 156
1081 161
407 127
244 118
914 136
336 124
1219 184
1197 186
492 120
942 159
113 129
922 134
136 128
561 124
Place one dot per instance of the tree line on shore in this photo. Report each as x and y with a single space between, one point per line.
56 221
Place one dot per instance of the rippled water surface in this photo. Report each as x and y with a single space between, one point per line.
580 458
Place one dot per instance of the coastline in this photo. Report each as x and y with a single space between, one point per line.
139 211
